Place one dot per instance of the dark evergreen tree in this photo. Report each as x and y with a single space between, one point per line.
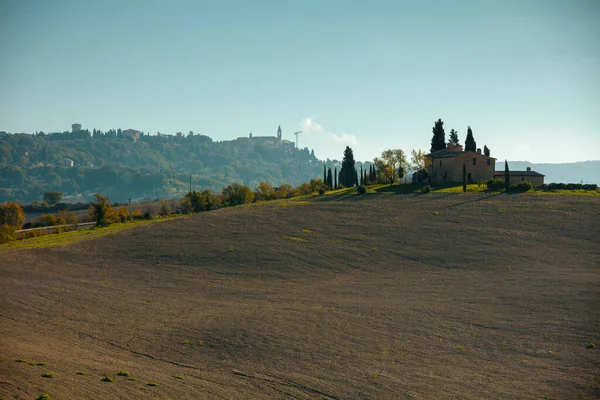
362 180
506 176
470 144
486 151
366 178
438 141
335 177
324 174
348 171
340 179
454 137
329 179
464 177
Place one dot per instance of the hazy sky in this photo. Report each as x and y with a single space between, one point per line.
525 75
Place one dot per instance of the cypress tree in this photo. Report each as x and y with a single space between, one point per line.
335 177
366 180
329 179
506 176
438 141
348 171
470 144
464 177
486 151
362 180
324 174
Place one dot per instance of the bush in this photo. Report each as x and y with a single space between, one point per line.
495 185
165 209
102 211
7 233
568 186
322 190
425 189
521 187
12 214
361 189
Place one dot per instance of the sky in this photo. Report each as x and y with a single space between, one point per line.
374 75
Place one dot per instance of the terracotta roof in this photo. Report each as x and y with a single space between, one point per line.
445 153
518 173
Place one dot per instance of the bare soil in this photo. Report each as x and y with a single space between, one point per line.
453 296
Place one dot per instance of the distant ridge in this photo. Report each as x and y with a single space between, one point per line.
586 171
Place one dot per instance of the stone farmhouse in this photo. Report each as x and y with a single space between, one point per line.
446 165
516 177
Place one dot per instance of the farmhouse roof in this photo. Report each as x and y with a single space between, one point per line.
445 153
519 173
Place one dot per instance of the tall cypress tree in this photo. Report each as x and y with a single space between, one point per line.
324 174
329 179
464 177
506 176
470 144
335 177
348 171
486 151
366 178
362 179
438 141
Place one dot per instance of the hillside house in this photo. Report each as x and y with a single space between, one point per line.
516 177
446 165
67 162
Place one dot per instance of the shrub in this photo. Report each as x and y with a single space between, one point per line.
12 214
495 185
322 190
48 375
7 233
49 220
153 384
361 189
122 214
137 214
107 379
102 211
123 373
165 209
521 187
44 396
425 189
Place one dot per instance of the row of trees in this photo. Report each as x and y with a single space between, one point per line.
438 141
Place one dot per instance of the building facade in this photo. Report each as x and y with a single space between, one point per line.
516 177
446 165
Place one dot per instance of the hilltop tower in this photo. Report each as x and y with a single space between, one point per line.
279 134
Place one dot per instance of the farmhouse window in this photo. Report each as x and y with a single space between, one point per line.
488 161
474 161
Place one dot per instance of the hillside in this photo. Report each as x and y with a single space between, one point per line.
586 171
386 296
143 168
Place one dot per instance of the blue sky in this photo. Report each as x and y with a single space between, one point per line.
525 75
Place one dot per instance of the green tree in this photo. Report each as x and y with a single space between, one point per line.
264 191
52 198
438 141
236 194
464 178
506 176
348 171
324 172
470 144
362 179
329 179
394 163
486 151
454 137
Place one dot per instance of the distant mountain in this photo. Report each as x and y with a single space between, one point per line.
586 171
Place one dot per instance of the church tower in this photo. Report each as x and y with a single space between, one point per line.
279 134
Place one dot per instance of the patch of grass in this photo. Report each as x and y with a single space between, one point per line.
180 377
132 379
77 236
122 373
458 189
591 346
306 230
82 373
461 348
230 248
296 239
107 379
153 384
48 375
43 396
38 364
20 360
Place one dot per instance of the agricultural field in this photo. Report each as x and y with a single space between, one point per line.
382 296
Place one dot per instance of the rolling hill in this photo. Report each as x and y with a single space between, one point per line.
383 296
